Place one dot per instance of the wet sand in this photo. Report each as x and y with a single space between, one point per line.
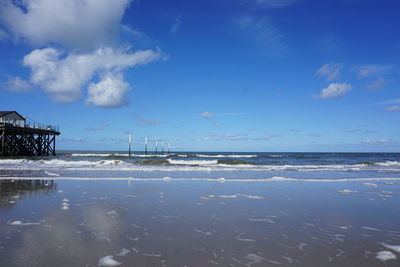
199 223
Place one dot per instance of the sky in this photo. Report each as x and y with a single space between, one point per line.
212 75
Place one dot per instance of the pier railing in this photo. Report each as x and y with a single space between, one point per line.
32 125
42 126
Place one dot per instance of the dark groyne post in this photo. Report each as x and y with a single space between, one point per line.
145 146
130 141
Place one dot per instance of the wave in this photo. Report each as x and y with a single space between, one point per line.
168 164
225 156
275 155
221 180
388 163
235 162
94 154
192 162
208 162
152 162
81 162
120 155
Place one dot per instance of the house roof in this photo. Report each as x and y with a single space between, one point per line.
3 113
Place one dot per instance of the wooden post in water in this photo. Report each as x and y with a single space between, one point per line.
145 146
156 146
169 148
130 141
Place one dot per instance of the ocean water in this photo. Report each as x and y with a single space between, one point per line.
192 165
201 209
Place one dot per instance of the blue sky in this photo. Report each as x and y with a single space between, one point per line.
213 75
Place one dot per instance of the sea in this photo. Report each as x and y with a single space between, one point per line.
207 165
106 208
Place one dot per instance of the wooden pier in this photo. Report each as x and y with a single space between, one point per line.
21 139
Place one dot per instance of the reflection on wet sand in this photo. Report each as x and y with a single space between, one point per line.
13 191
111 223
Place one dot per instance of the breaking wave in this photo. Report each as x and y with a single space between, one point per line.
225 156
168 164
192 162
222 180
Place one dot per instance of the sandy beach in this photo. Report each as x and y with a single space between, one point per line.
199 223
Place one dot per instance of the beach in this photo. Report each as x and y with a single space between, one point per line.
93 211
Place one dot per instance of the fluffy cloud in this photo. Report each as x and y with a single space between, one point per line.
86 34
330 70
63 77
77 24
109 92
371 70
334 90
18 85
207 115
393 108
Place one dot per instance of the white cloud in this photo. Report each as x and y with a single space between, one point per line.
17 85
76 24
63 77
86 34
330 70
142 121
364 71
267 137
389 102
109 92
393 108
207 115
334 90
150 122
230 114
225 137
260 30
379 141
268 4
378 84
275 3
3 35
176 24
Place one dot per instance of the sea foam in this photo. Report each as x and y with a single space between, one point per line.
192 162
385 255
108 261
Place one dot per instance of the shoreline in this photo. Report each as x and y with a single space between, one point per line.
221 180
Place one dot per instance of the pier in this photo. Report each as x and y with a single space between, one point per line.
19 138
